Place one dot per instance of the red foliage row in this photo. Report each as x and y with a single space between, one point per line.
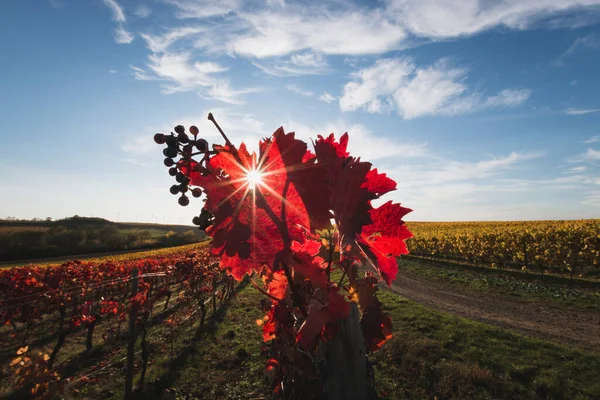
29 293
82 293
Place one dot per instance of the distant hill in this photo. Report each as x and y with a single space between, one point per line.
99 222
28 239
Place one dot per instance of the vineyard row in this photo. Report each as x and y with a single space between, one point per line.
562 247
58 301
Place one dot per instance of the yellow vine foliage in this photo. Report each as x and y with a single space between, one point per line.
564 247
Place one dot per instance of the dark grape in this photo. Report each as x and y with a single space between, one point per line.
183 188
183 138
174 189
179 129
183 200
202 145
187 149
169 162
206 219
194 130
171 141
170 152
179 177
196 220
173 171
185 180
159 138
196 192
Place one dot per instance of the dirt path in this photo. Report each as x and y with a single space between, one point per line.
580 328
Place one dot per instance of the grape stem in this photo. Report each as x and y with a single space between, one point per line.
212 119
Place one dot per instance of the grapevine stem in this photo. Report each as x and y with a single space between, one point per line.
330 254
343 275
263 291
212 119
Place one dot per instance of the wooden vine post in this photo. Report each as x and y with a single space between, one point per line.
345 373
132 336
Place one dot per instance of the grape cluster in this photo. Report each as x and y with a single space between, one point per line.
179 143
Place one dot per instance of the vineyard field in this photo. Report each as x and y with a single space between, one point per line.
432 353
57 318
570 248
113 256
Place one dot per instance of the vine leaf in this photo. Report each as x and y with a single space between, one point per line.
375 234
254 225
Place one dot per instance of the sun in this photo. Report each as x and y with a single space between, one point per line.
254 177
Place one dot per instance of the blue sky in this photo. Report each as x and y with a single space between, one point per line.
481 110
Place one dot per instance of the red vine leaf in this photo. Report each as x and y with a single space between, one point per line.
376 326
253 227
278 285
384 239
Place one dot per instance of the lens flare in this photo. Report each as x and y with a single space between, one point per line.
254 177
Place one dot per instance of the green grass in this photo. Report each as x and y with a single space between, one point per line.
227 362
582 294
560 279
436 354
431 354
222 360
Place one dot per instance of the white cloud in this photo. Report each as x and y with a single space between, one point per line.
117 10
298 90
508 98
112 71
370 146
576 170
439 89
223 92
122 36
362 143
142 11
204 8
592 199
591 155
306 33
347 31
160 43
589 41
461 190
273 3
298 64
593 139
181 74
450 171
178 69
353 30
309 60
371 87
581 111
327 97
454 18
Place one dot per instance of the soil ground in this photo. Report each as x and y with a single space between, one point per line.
577 327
